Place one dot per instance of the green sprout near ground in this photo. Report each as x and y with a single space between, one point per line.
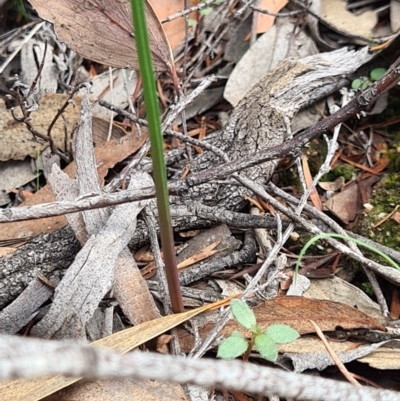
363 83
264 340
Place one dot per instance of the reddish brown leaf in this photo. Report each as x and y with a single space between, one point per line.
396 217
345 204
175 29
296 312
101 30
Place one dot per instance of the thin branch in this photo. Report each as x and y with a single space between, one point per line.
25 357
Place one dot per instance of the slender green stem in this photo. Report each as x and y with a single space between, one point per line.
344 237
160 175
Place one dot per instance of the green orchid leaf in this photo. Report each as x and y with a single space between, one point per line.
232 347
236 333
266 347
356 84
377 73
282 333
243 314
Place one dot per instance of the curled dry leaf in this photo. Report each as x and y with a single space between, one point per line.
101 30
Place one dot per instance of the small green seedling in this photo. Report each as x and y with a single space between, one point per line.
264 340
363 83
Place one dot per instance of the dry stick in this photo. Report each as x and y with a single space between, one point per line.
35 81
26 357
333 355
244 181
162 280
190 10
293 147
71 94
390 273
20 45
279 15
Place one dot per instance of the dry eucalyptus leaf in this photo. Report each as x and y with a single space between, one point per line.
121 390
15 174
175 29
16 142
395 15
338 290
345 204
101 30
101 128
334 13
122 88
384 358
332 185
296 312
265 21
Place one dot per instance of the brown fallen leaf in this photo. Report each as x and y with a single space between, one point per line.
266 21
175 29
121 390
396 217
101 31
345 204
203 254
335 14
295 312
16 142
332 185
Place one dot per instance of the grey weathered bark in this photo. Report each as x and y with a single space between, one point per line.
261 120
99 263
